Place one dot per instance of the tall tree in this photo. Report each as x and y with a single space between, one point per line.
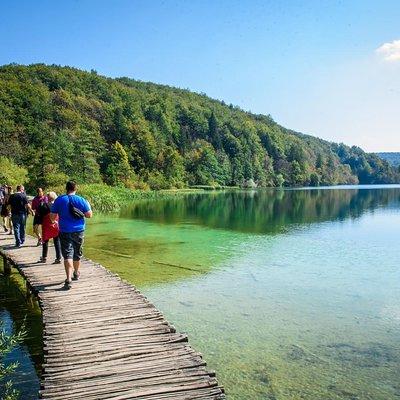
119 172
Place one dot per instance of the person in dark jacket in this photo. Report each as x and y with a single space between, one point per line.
19 208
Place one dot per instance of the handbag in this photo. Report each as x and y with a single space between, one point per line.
75 212
50 230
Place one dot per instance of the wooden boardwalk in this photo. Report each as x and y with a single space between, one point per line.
104 340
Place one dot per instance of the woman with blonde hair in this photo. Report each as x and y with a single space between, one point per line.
50 229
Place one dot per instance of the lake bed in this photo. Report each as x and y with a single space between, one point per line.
288 294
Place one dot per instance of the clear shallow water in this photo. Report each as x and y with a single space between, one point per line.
288 294
16 310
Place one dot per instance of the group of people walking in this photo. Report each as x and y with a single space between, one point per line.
61 218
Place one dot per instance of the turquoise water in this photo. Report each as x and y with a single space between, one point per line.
289 294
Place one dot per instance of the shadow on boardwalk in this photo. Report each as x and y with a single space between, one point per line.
104 340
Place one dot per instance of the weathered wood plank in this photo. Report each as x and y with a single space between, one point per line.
103 339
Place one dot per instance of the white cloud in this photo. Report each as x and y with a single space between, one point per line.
390 50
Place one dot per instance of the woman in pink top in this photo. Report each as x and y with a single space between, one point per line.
37 220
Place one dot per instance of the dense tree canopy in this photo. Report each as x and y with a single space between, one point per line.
12 173
392 158
58 122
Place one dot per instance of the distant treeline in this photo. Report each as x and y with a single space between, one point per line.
60 122
391 158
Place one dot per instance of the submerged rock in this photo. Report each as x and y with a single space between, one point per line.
366 356
186 303
298 353
343 393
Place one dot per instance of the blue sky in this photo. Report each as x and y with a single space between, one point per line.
312 65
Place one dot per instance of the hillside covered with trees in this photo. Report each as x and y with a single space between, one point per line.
391 157
60 122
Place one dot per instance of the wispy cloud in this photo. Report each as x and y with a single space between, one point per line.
390 51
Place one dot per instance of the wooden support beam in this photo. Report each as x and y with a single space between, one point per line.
6 266
28 290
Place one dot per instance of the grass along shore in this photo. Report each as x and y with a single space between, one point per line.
105 198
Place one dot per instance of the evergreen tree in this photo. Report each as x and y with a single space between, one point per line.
119 172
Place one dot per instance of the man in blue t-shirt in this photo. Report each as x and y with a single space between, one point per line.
72 211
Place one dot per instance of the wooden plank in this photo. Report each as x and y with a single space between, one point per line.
103 339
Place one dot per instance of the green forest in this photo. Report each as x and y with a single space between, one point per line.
60 122
392 158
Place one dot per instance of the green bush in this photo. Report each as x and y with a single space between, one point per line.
105 198
11 173
157 181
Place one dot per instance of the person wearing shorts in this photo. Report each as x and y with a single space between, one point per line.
72 229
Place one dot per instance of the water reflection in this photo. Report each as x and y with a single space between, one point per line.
264 211
159 241
15 311
294 295
311 313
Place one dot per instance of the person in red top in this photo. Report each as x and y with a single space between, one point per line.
39 199
50 229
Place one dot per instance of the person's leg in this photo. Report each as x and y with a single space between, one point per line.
4 218
9 224
45 249
77 265
37 232
22 228
57 247
67 251
16 225
78 238
68 269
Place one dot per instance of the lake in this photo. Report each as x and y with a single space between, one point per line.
16 310
289 294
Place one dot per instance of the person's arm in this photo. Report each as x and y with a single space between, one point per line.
87 209
33 206
29 209
89 214
28 206
54 212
